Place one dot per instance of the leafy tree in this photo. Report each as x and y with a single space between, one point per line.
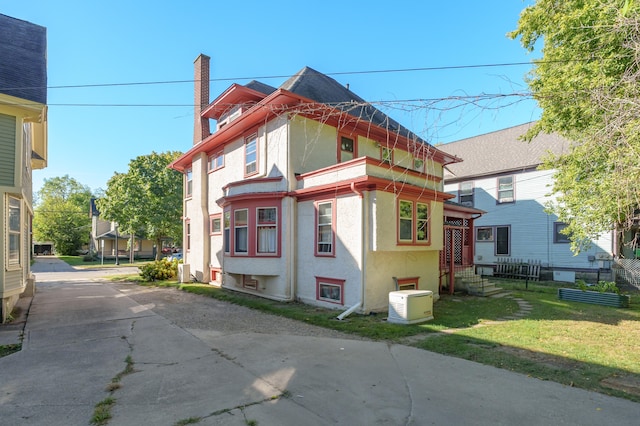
62 214
587 86
147 200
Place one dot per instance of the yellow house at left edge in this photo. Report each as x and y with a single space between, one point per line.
23 148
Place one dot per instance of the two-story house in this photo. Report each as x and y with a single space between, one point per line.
307 192
500 175
23 148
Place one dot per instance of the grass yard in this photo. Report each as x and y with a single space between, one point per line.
79 262
588 346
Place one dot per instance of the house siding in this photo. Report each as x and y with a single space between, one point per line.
531 227
7 150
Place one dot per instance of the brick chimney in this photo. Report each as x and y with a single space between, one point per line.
201 98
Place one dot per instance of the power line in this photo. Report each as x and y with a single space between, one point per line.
265 77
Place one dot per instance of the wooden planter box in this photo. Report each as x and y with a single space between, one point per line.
594 297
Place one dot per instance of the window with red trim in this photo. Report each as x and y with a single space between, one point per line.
346 148
325 235
330 290
267 230
413 222
187 241
216 161
215 224
386 154
241 231
251 155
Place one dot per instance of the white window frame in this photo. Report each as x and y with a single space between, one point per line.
324 228
14 229
251 155
267 228
503 186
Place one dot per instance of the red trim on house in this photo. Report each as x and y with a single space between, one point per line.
212 217
354 138
371 162
253 196
370 183
414 221
282 101
252 205
216 273
406 281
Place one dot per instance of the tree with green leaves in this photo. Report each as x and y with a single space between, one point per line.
587 84
62 214
147 200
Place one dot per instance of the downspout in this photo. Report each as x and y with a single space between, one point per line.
363 230
293 202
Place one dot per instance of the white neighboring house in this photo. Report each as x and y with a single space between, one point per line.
306 192
499 174
23 148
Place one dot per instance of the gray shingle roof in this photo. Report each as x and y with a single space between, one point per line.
23 59
260 87
501 151
323 89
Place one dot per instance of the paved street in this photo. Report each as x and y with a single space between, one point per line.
195 357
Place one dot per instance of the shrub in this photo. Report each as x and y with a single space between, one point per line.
159 270
89 257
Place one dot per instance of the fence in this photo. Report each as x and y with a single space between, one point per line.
507 267
627 271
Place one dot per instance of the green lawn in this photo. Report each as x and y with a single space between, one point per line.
587 346
79 262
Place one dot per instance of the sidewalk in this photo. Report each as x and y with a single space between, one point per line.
79 336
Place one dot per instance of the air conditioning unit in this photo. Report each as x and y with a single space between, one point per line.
410 306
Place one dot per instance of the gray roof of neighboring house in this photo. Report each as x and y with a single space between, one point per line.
23 64
323 89
260 87
501 151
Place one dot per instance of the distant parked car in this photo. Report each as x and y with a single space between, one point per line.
174 256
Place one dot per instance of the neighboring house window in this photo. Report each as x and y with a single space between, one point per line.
386 155
558 236
330 290
418 165
14 215
215 224
325 235
227 232
505 189
346 148
503 243
267 230
251 155
189 179
465 194
484 234
241 231
216 161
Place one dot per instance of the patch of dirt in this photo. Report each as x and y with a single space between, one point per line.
551 361
628 384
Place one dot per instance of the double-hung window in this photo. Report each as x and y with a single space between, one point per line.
413 222
14 227
189 180
324 229
241 231
465 194
505 190
216 161
251 155
267 230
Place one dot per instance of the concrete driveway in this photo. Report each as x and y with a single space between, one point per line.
79 335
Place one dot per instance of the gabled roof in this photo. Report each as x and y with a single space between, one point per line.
501 152
23 67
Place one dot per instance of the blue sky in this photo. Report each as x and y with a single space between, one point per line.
95 131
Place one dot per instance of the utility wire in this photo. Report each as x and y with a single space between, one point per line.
439 68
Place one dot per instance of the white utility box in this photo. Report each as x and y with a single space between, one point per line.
410 306
184 275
